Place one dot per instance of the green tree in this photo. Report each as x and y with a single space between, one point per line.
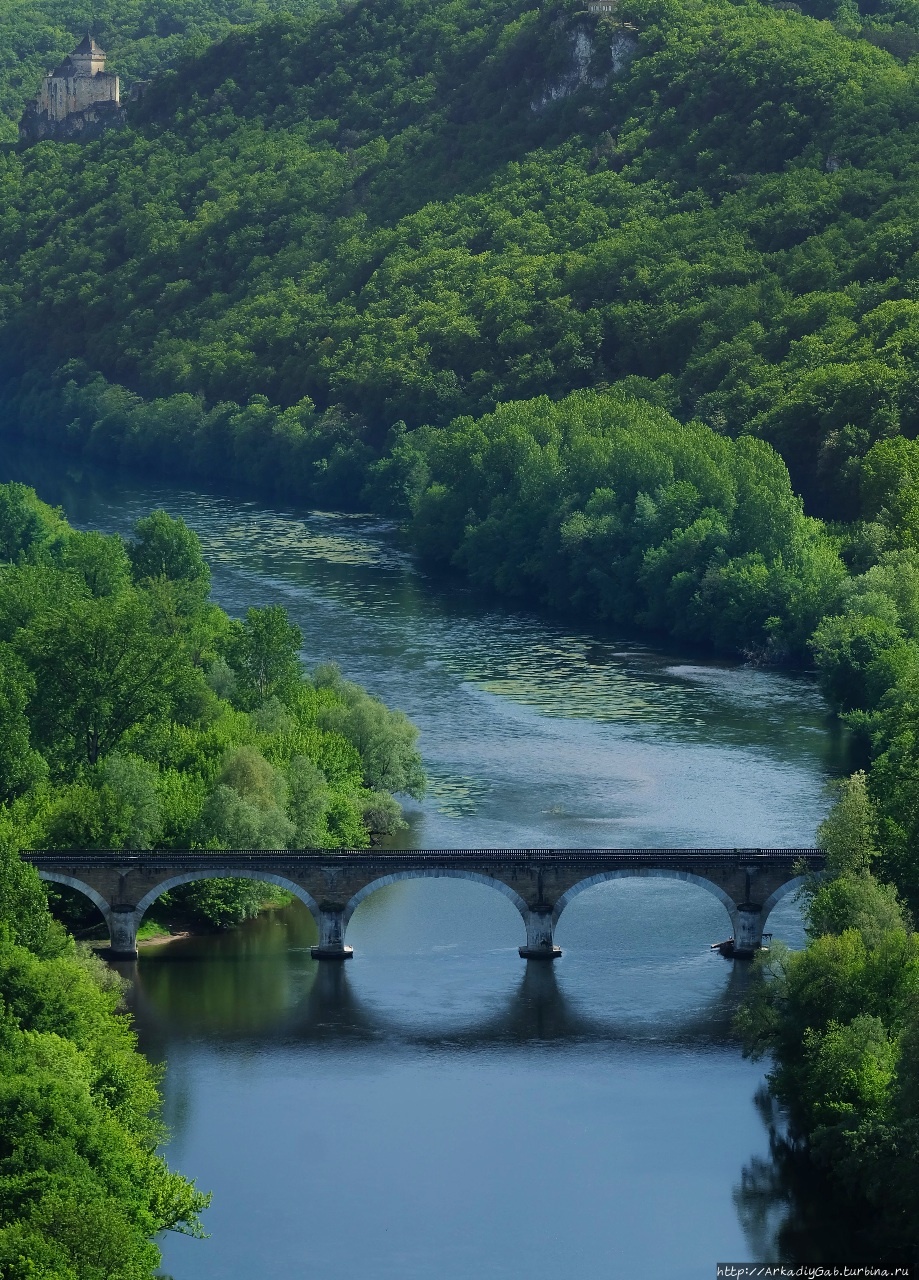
163 546
265 654
848 833
20 765
247 807
100 670
852 651
99 562
386 739
309 796
27 525
855 901
116 806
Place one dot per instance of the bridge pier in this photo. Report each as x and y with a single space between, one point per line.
748 935
122 931
331 936
540 944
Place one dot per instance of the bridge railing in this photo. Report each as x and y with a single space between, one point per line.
660 857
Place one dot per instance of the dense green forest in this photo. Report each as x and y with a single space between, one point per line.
82 1190
136 714
613 313
141 38
406 212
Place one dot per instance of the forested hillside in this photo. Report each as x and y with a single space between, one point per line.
141 38
408 211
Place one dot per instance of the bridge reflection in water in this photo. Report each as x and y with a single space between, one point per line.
332 884
175 991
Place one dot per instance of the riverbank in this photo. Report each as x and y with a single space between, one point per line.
154 934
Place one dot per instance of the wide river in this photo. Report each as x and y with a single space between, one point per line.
438 1109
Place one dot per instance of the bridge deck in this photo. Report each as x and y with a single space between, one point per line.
419 857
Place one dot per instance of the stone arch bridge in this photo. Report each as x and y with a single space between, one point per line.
332 883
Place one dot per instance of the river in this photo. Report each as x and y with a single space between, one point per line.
438 1109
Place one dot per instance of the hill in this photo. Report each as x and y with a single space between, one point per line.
410 211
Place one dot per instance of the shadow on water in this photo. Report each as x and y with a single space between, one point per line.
436 961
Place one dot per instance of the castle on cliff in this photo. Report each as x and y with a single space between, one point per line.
78 99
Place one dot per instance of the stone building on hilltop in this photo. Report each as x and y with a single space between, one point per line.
78 99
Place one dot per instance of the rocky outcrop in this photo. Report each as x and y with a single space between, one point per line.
581 71
79 126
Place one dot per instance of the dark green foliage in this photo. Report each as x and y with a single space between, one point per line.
850 652
607 503
100 563
409 211
100 671
24 907
164 547
28 527
135 715
82 1190
20 765
841 1020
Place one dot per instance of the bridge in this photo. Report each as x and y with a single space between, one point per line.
332 883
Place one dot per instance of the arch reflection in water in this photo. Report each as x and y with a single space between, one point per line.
432 964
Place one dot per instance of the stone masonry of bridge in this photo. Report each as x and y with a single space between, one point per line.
539 882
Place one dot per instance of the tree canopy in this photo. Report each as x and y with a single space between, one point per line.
128 720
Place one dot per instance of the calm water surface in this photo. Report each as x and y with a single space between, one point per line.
437 1108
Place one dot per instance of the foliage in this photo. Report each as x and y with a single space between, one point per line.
82 1189
167 548
841 1019
266 655
112 736
587 327
607 503
848 834
385 739
100 670
137 715
20 765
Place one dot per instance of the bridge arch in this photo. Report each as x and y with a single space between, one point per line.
648 873
433 873
58 877
781 892
225 873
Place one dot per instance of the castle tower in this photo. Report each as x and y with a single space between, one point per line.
88 58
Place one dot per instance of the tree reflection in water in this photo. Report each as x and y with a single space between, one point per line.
790 1211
